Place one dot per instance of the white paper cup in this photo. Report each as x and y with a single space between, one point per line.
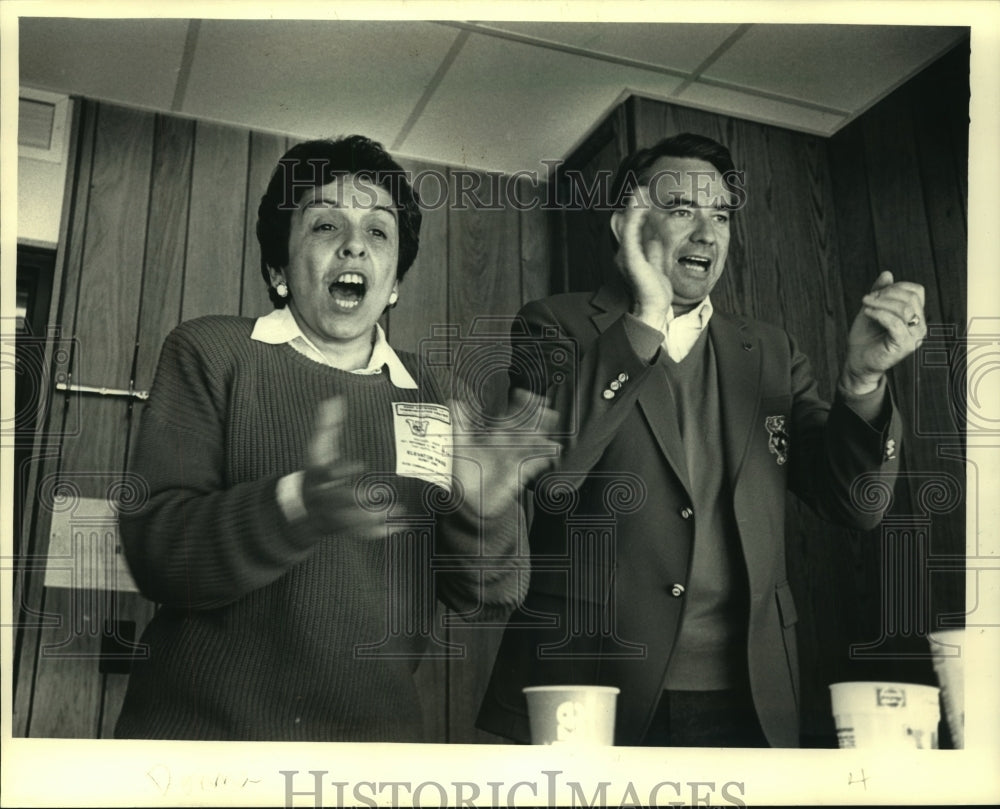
572 714
886 715
948 650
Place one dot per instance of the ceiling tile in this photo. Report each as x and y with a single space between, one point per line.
129 61
506 106
675 46
502 104
314 78
842 66
764 110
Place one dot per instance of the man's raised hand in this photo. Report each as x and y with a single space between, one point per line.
889 327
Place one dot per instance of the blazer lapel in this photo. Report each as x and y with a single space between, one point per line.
609 302
738 360
655 400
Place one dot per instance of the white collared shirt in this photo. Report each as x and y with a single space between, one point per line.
683 330
280 327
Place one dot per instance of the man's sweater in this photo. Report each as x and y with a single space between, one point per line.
709 653
270 629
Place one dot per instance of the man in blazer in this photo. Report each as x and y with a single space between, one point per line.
657 543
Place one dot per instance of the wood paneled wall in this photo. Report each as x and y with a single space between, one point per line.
900 186
160 230
822 218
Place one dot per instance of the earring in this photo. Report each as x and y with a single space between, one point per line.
282 289
393 298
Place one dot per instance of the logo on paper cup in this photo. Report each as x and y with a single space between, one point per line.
570 717
572 714
845 738
890 698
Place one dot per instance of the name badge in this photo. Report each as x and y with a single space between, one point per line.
423 442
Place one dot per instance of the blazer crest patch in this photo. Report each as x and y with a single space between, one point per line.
777 442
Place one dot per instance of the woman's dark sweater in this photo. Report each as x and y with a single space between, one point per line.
270 629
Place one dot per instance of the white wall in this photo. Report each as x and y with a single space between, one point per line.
41 185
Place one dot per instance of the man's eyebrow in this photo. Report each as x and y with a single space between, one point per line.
676 199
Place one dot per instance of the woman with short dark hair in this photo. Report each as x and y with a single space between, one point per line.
305 507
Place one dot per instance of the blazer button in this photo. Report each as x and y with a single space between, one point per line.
687 512
623 377
677 590
608 394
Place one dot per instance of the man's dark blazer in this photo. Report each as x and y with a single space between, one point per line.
613 526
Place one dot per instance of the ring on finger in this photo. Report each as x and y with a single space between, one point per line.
913 321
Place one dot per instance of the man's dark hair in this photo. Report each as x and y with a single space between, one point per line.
315 163
636 168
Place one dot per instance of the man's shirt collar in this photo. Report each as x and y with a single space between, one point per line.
683 330
696 319
280 327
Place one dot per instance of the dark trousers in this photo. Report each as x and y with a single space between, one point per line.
705 719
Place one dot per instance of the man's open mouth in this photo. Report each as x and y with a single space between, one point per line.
348 290
696 263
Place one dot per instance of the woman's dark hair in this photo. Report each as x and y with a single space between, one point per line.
315 163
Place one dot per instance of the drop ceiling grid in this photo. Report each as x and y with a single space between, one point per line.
515 94
845 67
133 62
506 105
312 78
679 47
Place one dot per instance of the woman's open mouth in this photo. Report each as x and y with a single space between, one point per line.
348 290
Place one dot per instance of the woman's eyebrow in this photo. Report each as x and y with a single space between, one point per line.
333 203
